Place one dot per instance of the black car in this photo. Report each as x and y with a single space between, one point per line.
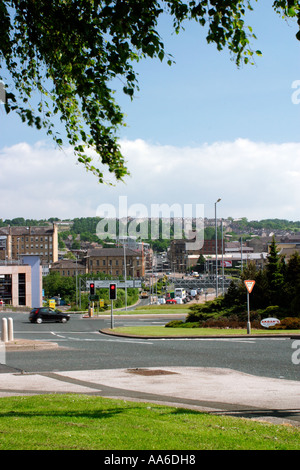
46 314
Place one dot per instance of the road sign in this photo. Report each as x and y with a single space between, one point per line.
267 322
249 285
104 284
94 297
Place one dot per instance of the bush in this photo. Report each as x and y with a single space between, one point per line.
181 324
232 321
174 324
289 323
272 310
223 322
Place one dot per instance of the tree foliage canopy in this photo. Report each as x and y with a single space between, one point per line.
278 284
60 57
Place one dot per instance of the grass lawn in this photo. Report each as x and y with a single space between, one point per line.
81 422
152 309
163 331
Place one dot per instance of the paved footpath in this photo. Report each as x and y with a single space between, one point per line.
213 390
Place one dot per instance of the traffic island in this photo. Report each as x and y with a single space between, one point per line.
159 333
29 345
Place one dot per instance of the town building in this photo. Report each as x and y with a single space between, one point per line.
69 268
38 241
181 259
111 261
21 282
287 249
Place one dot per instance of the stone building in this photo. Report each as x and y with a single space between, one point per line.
111 261
38 241
69 268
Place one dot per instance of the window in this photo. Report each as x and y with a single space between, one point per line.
22 289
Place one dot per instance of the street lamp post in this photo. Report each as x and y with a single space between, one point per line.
216 246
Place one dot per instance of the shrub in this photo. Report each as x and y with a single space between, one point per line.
222 322
182 324
272 310
174 324
289 323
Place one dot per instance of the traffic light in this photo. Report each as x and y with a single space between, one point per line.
92 288
112 291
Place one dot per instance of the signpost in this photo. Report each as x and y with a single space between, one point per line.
249 286
112 285
112 296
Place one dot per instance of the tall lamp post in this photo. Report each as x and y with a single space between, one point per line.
216 246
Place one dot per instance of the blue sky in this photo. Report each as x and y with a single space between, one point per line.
196 131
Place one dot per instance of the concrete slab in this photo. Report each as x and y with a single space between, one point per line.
215 390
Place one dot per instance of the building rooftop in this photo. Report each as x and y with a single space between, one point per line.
112 252
24 231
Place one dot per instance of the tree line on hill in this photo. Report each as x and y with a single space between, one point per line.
86 228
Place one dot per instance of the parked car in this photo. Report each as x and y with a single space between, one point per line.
171 301
46 314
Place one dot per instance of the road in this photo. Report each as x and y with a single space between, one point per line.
83 347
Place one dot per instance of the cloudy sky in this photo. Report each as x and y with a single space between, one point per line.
197 131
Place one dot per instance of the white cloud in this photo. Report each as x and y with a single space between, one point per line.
253 179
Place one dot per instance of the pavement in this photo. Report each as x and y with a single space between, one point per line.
211 390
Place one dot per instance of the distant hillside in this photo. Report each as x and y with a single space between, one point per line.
87 225
268 224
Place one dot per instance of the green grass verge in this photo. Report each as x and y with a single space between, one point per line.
151 309
169 307
163 331
81 422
